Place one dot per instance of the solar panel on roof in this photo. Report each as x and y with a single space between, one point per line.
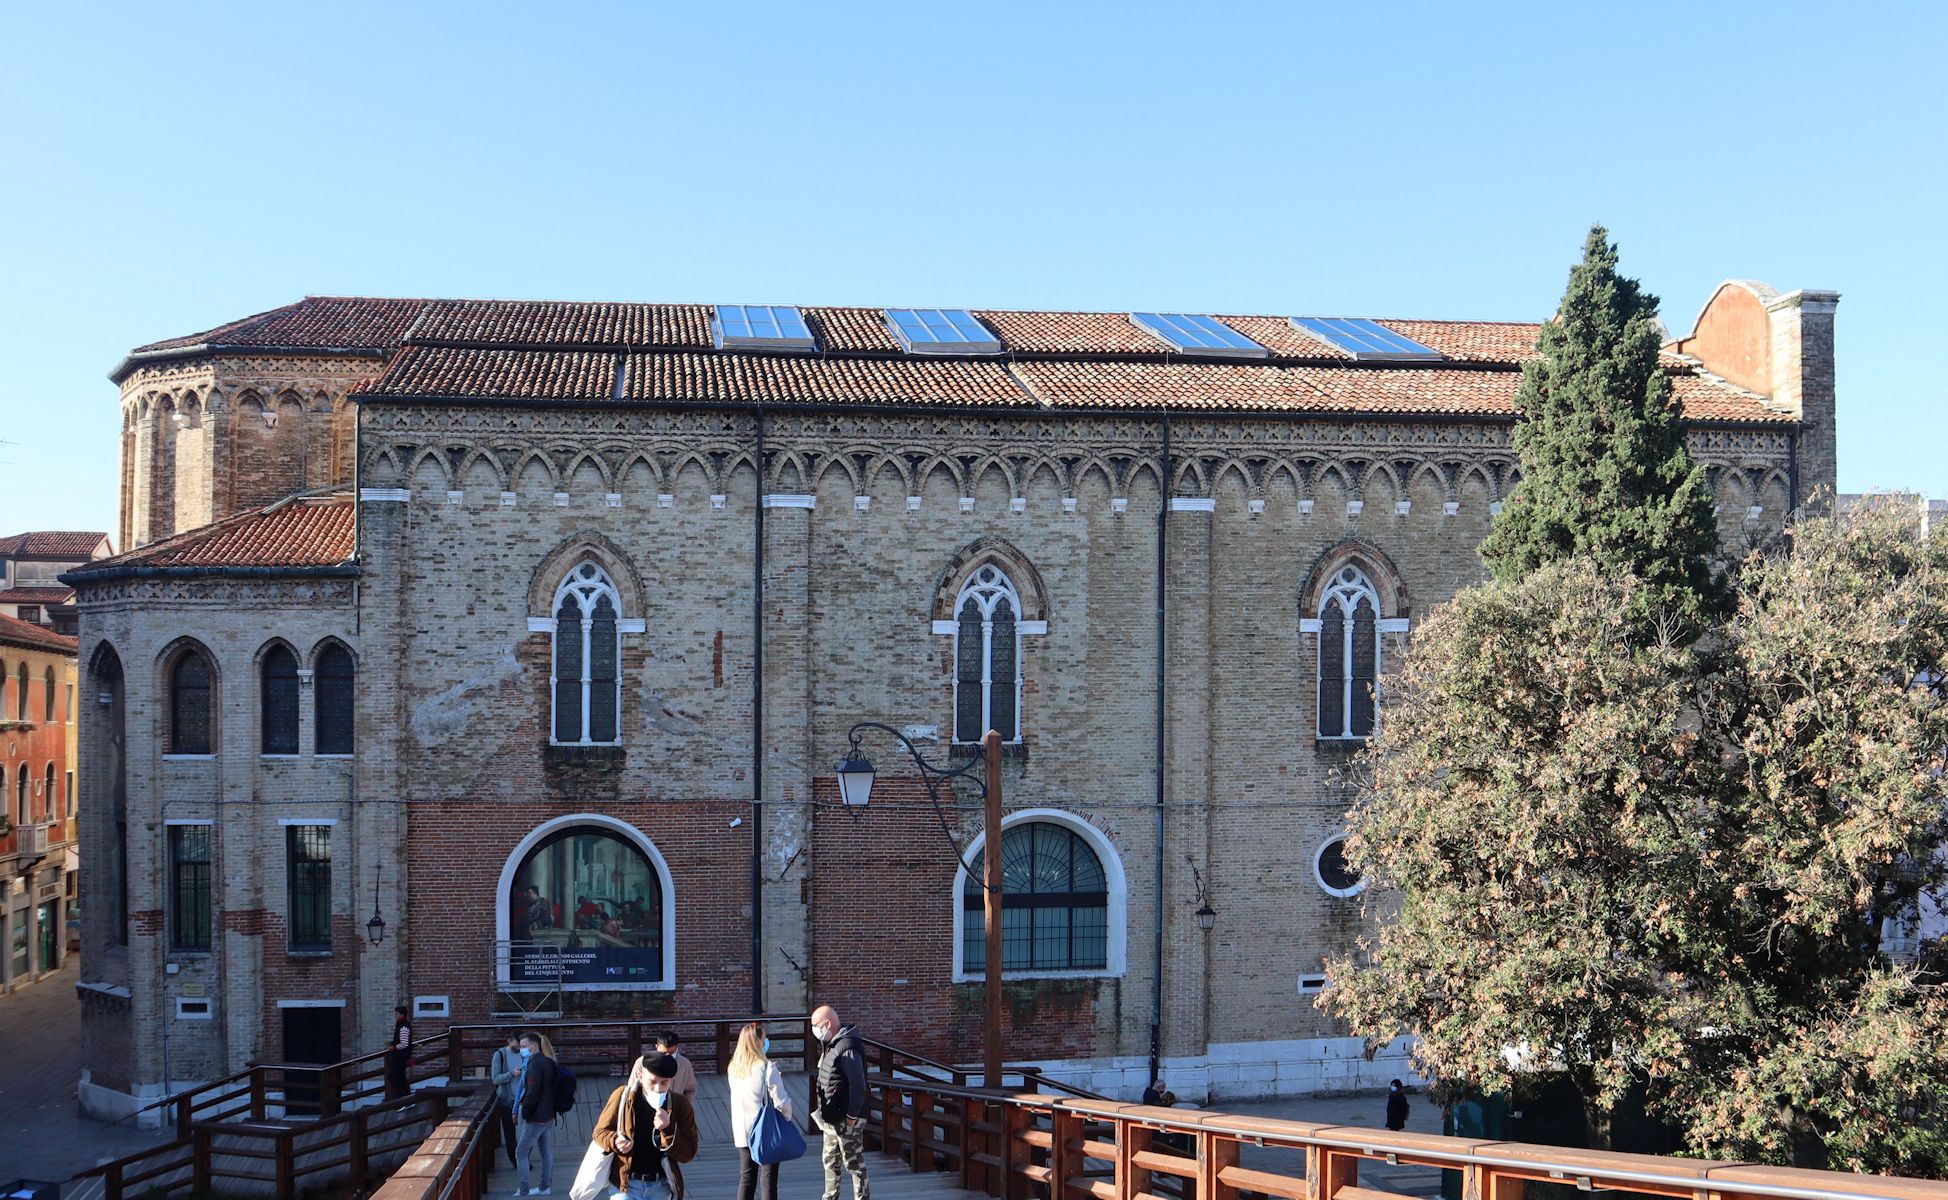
941 331
1196 333
760 327
1364 339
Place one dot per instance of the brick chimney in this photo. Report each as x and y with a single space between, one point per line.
1780 345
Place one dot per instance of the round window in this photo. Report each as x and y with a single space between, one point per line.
1335 874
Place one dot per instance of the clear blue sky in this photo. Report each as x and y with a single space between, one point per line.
168 167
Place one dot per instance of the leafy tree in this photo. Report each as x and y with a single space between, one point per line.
1605 474
1641 859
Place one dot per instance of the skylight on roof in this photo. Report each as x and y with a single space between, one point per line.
760 327
1364 339
941 331
1195 333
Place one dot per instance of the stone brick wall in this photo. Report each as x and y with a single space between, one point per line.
479 512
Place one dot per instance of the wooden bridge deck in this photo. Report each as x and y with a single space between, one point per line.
712 1175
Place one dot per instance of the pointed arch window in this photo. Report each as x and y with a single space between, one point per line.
47 696
587 654
279 699
189 704
1349 656
333 734
987 657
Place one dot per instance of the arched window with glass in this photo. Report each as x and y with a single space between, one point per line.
1054 904
333 685
278 700
588 902
20 685
189 704
987 657
1349 656
47 695
587 653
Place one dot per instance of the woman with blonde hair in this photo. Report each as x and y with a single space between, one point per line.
751 1077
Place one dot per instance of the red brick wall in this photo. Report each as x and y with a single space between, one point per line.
457 852
882 939
288 976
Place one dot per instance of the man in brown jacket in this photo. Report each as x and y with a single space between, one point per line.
650 1135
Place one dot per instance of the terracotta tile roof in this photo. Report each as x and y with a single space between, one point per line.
36 595
1261 388
56 544
502 374
851 328
1473 341
305 531
553 323
783 379
15 632
540 351
315 322
1071 333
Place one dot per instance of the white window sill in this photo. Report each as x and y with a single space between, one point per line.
335 756
189 758
280 757
1019 976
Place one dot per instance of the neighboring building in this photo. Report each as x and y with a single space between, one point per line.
31 565
560 687
38 862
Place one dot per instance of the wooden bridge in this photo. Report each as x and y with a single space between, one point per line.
930 1134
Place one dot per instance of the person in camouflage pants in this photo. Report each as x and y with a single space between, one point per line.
839 1102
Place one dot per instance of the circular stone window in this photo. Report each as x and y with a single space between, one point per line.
1334 873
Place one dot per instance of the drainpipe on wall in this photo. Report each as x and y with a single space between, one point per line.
757 733
1163 559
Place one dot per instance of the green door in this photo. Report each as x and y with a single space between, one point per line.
45 915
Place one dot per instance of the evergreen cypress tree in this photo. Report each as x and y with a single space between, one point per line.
1605 474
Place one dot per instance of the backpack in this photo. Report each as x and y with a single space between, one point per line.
564 1090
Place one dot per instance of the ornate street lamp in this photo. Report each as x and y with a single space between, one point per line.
375 929
856 775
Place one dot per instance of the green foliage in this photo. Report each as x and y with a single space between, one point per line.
1605 474
1666 861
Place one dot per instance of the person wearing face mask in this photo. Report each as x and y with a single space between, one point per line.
534 1111
651 1129
839 1102
751 1076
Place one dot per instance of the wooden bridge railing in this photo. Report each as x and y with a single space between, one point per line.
344 1151
1017 1146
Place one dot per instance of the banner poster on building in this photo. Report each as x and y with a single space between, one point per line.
586 909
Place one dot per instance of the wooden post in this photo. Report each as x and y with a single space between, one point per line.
111 1182
286 1175
1131 1140
991 911
1015 1120
183 1122
634 1037
1065 1162
456 1045
965 1139
1215 1151
257 1093
922 1117
329 1101
199 1162
724 1047
811 1048
1328 1170
355 1148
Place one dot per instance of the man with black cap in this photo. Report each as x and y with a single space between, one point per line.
651 1129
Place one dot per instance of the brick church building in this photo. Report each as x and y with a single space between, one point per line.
534 631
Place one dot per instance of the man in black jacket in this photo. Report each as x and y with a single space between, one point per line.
534 1111
839 1102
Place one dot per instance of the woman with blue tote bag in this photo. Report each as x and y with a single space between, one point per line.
760 1112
